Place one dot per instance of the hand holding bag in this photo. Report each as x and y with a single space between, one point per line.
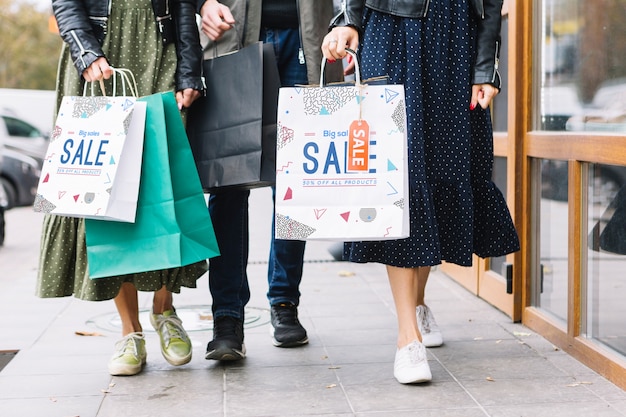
341 165
173 226
93 162
232 130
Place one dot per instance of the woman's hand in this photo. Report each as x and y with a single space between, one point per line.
482 94
335 43
185 97
98 70
216 19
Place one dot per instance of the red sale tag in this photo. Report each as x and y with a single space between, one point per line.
358 146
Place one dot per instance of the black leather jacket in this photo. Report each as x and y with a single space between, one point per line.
83 26
485 70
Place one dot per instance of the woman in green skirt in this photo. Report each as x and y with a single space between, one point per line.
158 41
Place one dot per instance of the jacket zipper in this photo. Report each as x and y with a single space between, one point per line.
301 48
496 63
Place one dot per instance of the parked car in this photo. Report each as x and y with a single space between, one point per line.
19 177
4 202
16 134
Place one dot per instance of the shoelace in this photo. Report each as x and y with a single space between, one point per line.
173 328
414 353
286 314
128 345
226 326
425 321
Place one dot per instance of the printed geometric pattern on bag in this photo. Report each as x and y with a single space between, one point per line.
285 136
42 205
326 100
56 132
288 227
85 107
398 116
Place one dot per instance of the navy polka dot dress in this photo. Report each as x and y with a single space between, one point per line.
455 208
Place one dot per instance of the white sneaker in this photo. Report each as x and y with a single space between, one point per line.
130 355
411 365
431 335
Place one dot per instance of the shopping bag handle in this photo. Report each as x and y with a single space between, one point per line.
125 75
357 69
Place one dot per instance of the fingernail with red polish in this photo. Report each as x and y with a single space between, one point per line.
349 59
472 106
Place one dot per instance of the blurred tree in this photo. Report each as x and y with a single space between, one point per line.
29 50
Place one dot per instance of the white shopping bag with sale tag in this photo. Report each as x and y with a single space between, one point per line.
93 164
341 164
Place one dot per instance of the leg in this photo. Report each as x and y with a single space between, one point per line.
228 280
404 288
175 343
431 335
410 365
286 256
284 274
130 352
128 309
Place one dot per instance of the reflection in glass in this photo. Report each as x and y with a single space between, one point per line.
550 282
583 74
499 178
606 258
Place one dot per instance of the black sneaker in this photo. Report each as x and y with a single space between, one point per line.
227 343
286 329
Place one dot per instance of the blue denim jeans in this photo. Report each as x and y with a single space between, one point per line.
228 280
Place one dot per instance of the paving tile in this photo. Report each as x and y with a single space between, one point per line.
177 391
83 406
391 398
294 390
52 386
536 391
501 367
443 412
562 409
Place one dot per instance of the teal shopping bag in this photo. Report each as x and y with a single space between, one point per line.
173 227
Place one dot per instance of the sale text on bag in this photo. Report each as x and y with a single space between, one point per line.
81 170
341 163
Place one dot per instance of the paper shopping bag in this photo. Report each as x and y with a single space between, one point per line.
232 130
173 227
93 162
341 165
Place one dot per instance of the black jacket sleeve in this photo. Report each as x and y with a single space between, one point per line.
188 48
488 45
351 14
82 33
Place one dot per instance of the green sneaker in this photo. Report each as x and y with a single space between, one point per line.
130 355
175 344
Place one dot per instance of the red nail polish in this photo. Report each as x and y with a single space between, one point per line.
349 59
472 106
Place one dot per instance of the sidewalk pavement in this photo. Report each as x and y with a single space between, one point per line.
488 365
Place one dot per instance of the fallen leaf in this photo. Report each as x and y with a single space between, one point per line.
346 273
331 386
490 379
84 333
521 334
324 357
205 316
498 341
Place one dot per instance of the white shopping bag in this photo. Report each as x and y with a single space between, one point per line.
341 165
93 164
